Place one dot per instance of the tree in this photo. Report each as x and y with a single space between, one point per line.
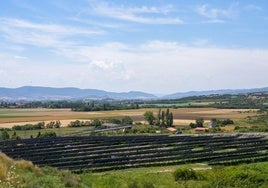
192 125
163 119
199 122
48 134
50 125
158 120
15 136
57 124
149 116
96 123
169 119
127 120
38 135
5 135
114 121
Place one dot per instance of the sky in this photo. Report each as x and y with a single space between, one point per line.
155 46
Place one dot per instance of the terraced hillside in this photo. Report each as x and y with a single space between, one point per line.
100 153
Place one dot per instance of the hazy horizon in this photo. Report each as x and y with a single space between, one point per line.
158 47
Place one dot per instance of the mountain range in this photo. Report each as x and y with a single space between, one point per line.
34 93
211 92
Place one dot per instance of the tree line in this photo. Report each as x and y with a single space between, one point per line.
39 125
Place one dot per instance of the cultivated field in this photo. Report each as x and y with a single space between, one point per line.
182 116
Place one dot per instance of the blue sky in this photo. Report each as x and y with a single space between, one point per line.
157 46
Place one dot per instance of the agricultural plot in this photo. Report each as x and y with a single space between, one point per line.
102 153
11 117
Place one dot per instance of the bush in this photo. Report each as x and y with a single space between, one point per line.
127 120
69 179
183 174
48 134
226 122
96 123
192 125
5 135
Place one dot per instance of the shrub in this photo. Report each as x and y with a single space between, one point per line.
49 134
5 135
192 125
127 120
69 179
183 174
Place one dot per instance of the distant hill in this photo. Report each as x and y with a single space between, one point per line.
30 93
35 93
210 92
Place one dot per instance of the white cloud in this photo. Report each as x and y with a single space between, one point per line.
103 64
20 57
216 15
252 7
36 34
157 66
143 14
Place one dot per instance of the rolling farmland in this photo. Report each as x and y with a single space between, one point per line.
11 117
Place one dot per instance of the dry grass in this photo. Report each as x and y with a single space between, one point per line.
182 116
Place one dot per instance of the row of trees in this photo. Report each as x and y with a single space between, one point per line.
199 122
74 105
77 123
85 107
163 118
40 125
4 135
97 122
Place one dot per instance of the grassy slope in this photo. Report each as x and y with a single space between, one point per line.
24 174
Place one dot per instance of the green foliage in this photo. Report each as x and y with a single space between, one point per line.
40 125
192 125
199 122
48 134
15 136
38 135
255 128
164 118
143 129
221 123
24 174
78 123
127 120
103 106
149 116
4 135
37 126
183 174
253 175
53 124
114 121
96 123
